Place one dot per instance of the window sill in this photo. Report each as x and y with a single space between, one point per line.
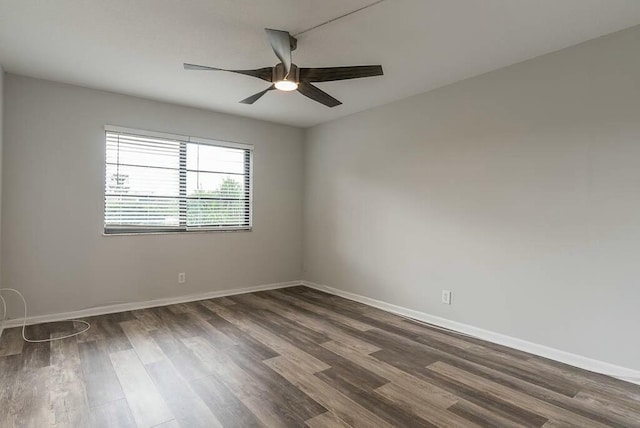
175 232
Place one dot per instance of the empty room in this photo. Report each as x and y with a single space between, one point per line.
337 213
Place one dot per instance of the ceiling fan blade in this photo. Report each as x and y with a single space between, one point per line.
200 67
265 73
310 91
282 44
255 97
339 73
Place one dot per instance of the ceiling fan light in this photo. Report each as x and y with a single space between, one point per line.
286 85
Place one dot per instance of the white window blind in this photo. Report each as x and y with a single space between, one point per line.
161 183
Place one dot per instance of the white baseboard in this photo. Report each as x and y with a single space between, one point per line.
579 361
121 307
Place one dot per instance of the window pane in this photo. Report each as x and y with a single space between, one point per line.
204 212
142 211
207 184
203 157
148 151
192 156
135 180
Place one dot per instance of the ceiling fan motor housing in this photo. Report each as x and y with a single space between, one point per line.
279 73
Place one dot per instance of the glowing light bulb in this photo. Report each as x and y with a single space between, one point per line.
286 85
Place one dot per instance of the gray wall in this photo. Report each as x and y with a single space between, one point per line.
52 246
1 133
518 190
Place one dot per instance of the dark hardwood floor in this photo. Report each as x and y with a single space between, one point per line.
290 357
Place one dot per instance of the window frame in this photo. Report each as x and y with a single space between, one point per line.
183 228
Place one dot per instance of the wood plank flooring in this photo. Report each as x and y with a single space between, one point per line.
290 357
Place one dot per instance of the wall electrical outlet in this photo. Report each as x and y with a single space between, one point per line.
182 278
446 297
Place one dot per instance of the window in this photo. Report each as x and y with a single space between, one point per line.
169 183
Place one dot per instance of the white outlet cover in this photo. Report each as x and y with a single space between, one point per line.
446 297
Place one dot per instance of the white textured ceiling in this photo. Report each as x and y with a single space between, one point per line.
137 47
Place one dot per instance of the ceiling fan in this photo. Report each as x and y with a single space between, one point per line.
286 76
